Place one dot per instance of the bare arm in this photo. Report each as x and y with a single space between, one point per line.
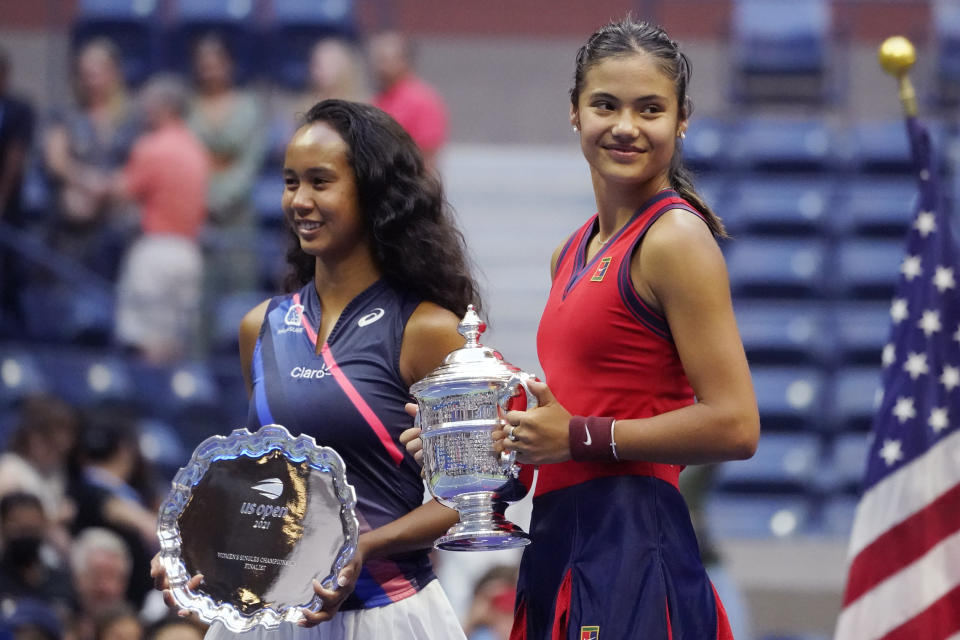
680 271
249 331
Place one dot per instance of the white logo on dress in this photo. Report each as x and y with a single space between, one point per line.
294 315
589 440
371 317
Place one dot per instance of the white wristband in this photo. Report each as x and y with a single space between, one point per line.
613 442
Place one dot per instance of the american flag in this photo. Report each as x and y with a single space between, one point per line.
904 553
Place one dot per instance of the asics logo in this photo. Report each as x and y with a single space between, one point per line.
371 317
269 488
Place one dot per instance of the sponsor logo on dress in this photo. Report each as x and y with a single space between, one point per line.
590 633
601 270
293 320
371 317
310 374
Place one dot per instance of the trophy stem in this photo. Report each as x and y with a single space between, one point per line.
481 528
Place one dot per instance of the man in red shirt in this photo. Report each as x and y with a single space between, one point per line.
412 102
159 292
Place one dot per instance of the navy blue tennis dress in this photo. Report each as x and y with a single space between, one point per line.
349 397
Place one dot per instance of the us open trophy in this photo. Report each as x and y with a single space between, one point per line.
459 406
260 515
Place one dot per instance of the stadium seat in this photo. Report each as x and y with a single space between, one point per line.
856 392
835 516
134 27
68 313
706 145
783 463
754 516
267 192
878 146
875 206
230 310
85 378
781 49
860 330
778 143
774 204
776 268
850 461
297 25
784 331
945 20
789 398
236 21
20 375
162 447
867 269
169 391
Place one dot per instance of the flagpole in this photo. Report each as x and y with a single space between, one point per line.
896 56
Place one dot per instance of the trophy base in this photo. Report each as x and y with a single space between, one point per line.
481 528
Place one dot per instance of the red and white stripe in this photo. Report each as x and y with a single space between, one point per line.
904 577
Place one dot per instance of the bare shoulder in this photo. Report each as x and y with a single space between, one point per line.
556 256
679 239
430 334
250 324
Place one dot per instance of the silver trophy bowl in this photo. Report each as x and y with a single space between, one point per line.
460 404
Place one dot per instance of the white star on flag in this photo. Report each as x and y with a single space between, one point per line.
926 223
911 267
891 451
930 322
899 312
950 378
889 355
938 419
904 409
943 279
916 365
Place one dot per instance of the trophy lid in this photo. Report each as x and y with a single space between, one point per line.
471 363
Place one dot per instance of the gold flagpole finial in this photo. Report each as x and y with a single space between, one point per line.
896 56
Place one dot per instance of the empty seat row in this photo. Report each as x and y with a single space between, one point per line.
780 516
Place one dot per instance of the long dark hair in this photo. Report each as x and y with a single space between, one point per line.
628 36
414 241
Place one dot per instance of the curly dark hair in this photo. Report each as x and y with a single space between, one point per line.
414 241
626 37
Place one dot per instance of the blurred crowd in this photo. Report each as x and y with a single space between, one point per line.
149 191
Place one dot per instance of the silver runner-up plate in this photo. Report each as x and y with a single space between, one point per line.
260 515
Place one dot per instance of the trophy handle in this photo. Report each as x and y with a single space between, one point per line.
520 378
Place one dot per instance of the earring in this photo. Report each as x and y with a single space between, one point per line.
682 135
575 129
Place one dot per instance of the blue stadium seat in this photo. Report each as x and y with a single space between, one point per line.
835 516
945 20
297 26
165 392
875 206
235 21
68 313
783 463
776 268
87 378
134 27
20 375
867 268
266 198
706 145
850 461
757 516
860 330
784 39
789 398
226 323
878 146
233 392
162 447
856 391
783 144
784 331
774 204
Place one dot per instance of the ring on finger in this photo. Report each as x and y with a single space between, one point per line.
513 437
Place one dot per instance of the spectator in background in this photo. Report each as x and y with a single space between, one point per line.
230 123
108 492
28 619
412 102
491 612
335 71
29 566
118 623
82 148
158 295
16 133
100 564
36 460
177 628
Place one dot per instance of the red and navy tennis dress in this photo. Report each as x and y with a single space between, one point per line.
349 397
614 554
